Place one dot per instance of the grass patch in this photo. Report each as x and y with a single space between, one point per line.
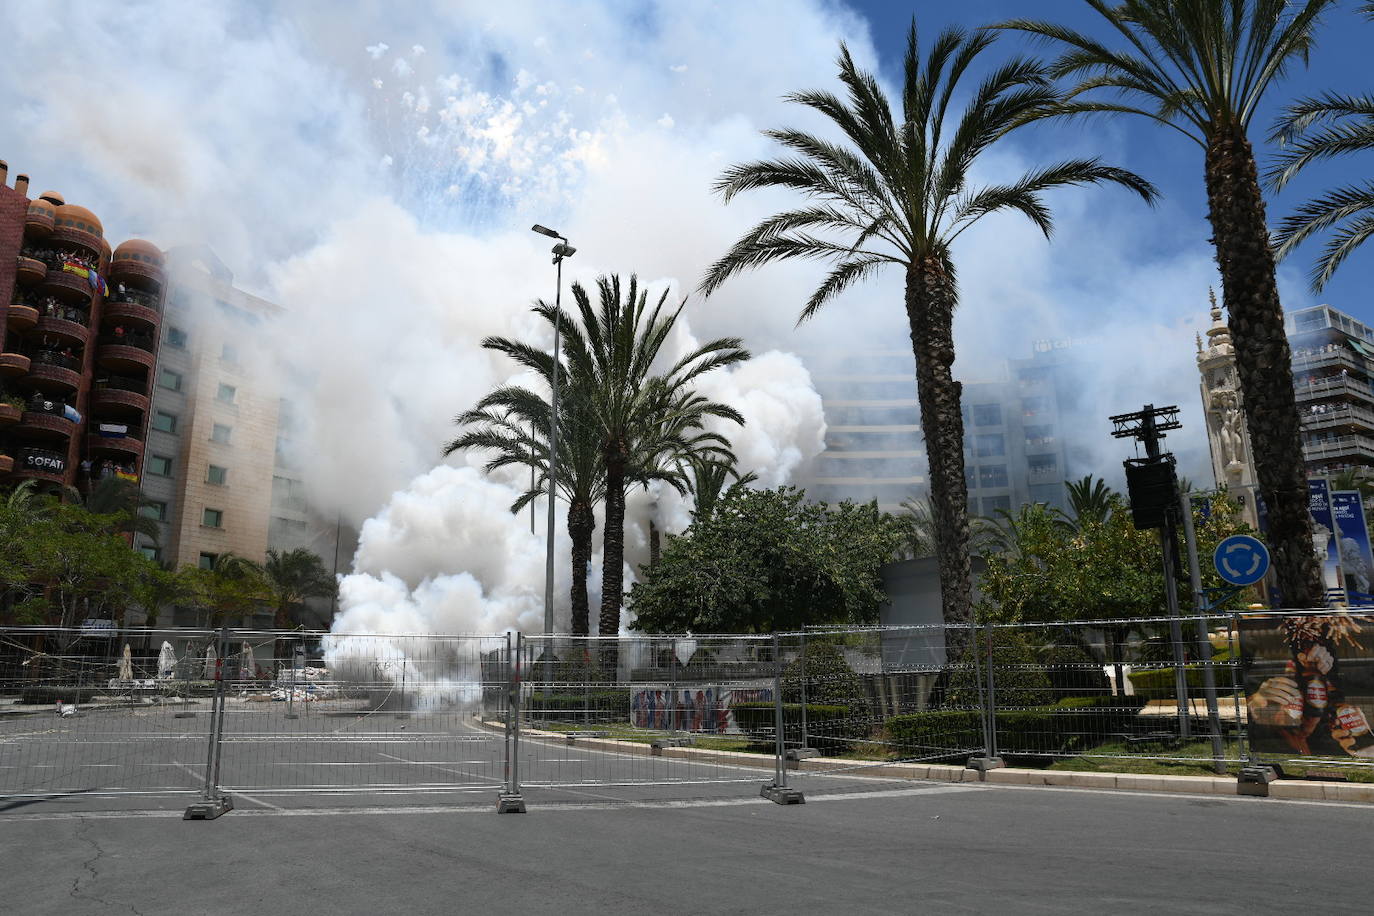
619 731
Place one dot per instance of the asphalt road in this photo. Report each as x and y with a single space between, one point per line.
921 848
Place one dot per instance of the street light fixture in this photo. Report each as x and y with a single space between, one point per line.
560 251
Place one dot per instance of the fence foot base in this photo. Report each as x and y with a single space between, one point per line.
783 795
208 810
184 715
291 715
1255 781
510 804
801 753
983 764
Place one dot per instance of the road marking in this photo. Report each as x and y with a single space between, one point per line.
493 781
256 801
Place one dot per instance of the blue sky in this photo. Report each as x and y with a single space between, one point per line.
1340 63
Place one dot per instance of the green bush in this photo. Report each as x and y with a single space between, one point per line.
1158 683
1069 726
833 722
1019 674
828 677
607 701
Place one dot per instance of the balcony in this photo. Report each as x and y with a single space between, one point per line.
41 464
116 447
40 218
30 270
1332 386
50 370
134 306
136 268
6 463
67 282
70 235
119 394
14 364
128 352
9 413
1359 447
20 316
1039 475
65 330
1338 415
45 424
1337 357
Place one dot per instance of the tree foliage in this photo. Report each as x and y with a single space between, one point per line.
765 560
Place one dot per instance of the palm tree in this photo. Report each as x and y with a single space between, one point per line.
1202 67
710 480
289 577
512 423
900 192
1316 129
645 420
918 528
1091 500
120 499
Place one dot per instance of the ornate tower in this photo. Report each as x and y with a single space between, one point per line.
1228 439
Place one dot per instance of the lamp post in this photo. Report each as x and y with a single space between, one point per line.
560 251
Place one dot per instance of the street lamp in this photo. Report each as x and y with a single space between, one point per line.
560 251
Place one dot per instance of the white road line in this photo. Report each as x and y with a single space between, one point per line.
466 773
256 801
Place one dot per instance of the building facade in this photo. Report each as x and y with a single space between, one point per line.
78 341
1333 378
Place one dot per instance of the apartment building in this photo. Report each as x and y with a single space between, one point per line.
1333 378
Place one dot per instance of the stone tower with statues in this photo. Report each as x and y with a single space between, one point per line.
1228 439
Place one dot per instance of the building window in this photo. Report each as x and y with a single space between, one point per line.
992 475
993 504
168 379
226 393
989 445
229 353
176 337
151 552
207 560
212 518
164 421
220 433
987 414
154 509
216 475
160 465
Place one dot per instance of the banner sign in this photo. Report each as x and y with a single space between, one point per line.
1357 559
698 708
1309 684
41 462
1324 530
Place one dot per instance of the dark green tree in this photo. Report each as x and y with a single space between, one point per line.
899 191
1202 68
1091 500
765 560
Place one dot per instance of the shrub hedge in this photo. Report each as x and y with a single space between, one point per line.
1069 726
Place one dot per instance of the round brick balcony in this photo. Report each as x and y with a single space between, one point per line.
122 448
6 464
121 356
66 332
46 425
70 235
117 400
63 281
20 317
14 365
40 218
40 464
130 312
9 413
48 376
30 270
127 268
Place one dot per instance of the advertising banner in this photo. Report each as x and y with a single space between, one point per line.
1309 684
1324 531
1357 560
698 708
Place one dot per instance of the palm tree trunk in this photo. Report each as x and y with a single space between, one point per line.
581 524
655 543
1235 208
613 541
930 301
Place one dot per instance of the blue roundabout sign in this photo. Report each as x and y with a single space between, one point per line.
1241 559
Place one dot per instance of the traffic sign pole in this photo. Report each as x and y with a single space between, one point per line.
1204 644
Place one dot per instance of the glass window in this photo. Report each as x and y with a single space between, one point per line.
987 414
164 421
151 552
168 379
992 475
216 475
154 509
226 393
176 337
989 445
229 353
207 560
160 465
991 504
220 433
212 518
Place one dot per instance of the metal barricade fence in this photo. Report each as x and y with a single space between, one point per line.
200 713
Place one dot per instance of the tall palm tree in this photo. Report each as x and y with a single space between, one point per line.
1313 130
1202 67
643 417
120 499
1091 500
899 191
710 480
512 423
